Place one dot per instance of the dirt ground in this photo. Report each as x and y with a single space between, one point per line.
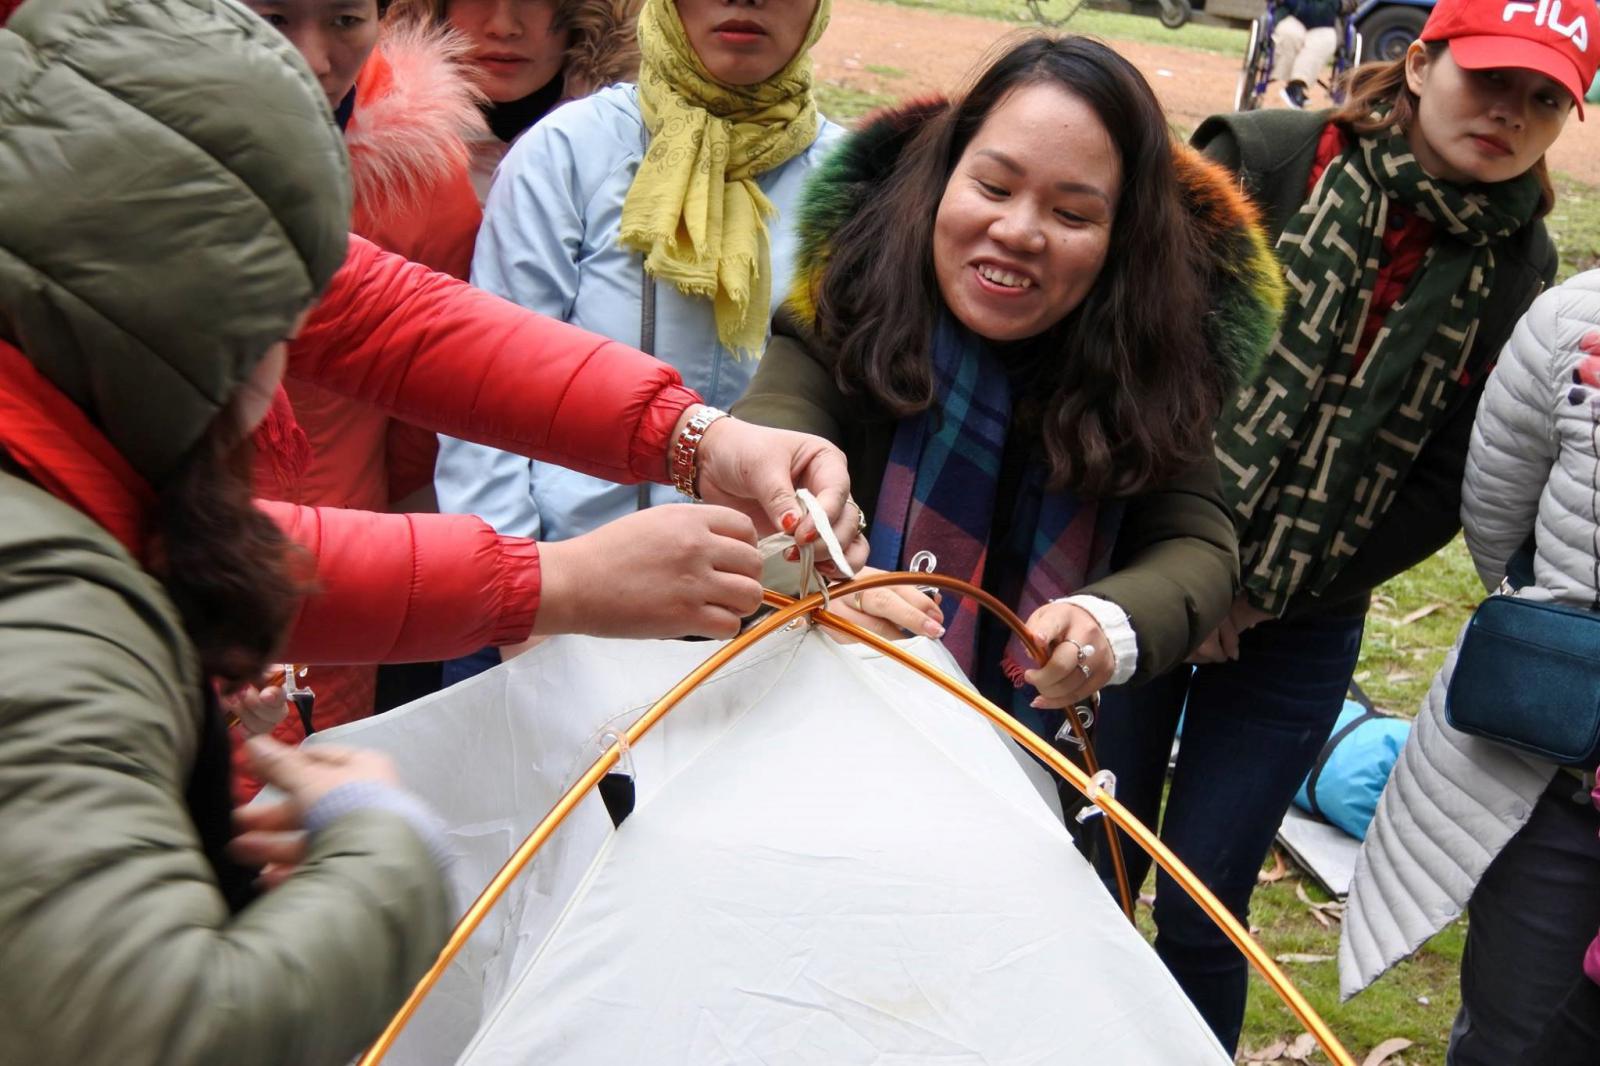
897 51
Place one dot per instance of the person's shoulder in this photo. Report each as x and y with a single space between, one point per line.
612 111
1566 316
59 570
598 130
1264 138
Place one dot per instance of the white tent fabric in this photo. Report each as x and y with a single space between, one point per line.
830 861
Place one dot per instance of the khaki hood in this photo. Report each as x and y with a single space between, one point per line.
173 194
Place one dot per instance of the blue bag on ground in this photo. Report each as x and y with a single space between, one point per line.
1344 785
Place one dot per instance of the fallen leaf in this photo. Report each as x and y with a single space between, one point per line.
1279 869
1324 913
1295 956
1271 1053
1421 612
1382 1053
1302 1047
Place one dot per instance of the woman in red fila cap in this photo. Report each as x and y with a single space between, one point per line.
1408 228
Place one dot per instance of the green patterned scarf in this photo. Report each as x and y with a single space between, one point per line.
1315 446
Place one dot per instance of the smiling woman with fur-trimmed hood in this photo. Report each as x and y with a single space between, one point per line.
1018 313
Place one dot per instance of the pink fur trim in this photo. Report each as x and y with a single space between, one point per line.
414 134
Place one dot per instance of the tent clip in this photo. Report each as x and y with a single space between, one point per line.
1103 781
1085 712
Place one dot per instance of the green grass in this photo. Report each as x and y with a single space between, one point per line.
1575 225
1400 657
1108 24
844 104
1416 1000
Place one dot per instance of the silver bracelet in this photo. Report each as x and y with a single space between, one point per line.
685 465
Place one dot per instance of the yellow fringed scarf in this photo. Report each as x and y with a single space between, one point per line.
694 209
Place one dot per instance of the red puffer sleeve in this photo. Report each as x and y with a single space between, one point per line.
406 587
436 352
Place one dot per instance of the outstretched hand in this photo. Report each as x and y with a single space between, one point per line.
756 470
672 571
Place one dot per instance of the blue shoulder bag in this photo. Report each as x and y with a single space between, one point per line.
1528 675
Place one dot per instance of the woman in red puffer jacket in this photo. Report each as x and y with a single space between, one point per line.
401 96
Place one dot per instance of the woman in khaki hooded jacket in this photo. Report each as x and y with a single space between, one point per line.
156 250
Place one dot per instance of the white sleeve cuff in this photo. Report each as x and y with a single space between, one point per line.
1119 631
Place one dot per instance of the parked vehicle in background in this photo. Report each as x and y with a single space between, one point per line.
1388 27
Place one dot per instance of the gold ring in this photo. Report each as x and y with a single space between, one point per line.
859 607
861 515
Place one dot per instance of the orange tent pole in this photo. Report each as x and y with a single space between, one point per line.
787 611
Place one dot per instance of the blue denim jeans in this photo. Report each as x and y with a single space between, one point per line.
1251 733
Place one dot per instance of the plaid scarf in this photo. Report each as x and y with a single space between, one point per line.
938 495
1314 448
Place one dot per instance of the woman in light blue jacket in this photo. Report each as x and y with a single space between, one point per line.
654 214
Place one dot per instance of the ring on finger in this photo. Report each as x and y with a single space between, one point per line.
861 515
1085 652
1084 668
1075 644
859 607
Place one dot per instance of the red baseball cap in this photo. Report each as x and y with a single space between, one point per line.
1557 38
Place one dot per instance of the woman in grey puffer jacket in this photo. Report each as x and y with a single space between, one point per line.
1464 818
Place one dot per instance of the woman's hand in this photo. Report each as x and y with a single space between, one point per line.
259 710
1081 661
272 835
1223 643
756 470
670 571
890 612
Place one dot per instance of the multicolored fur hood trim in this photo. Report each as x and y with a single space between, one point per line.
1247 285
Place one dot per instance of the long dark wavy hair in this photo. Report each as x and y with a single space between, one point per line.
233 575
1378 99
1124 391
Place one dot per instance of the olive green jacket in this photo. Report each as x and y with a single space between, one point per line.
173 193
1175 562
116 945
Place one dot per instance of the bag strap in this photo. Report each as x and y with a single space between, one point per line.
1367 714
1519 568
647 345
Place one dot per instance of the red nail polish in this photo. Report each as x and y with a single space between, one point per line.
790 520
793 555
812 539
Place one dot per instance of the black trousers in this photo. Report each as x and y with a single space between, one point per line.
1529 923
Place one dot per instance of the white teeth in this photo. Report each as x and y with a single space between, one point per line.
1004 277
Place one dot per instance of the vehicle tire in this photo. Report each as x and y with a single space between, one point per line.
1389 31
1255 55
1175 13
